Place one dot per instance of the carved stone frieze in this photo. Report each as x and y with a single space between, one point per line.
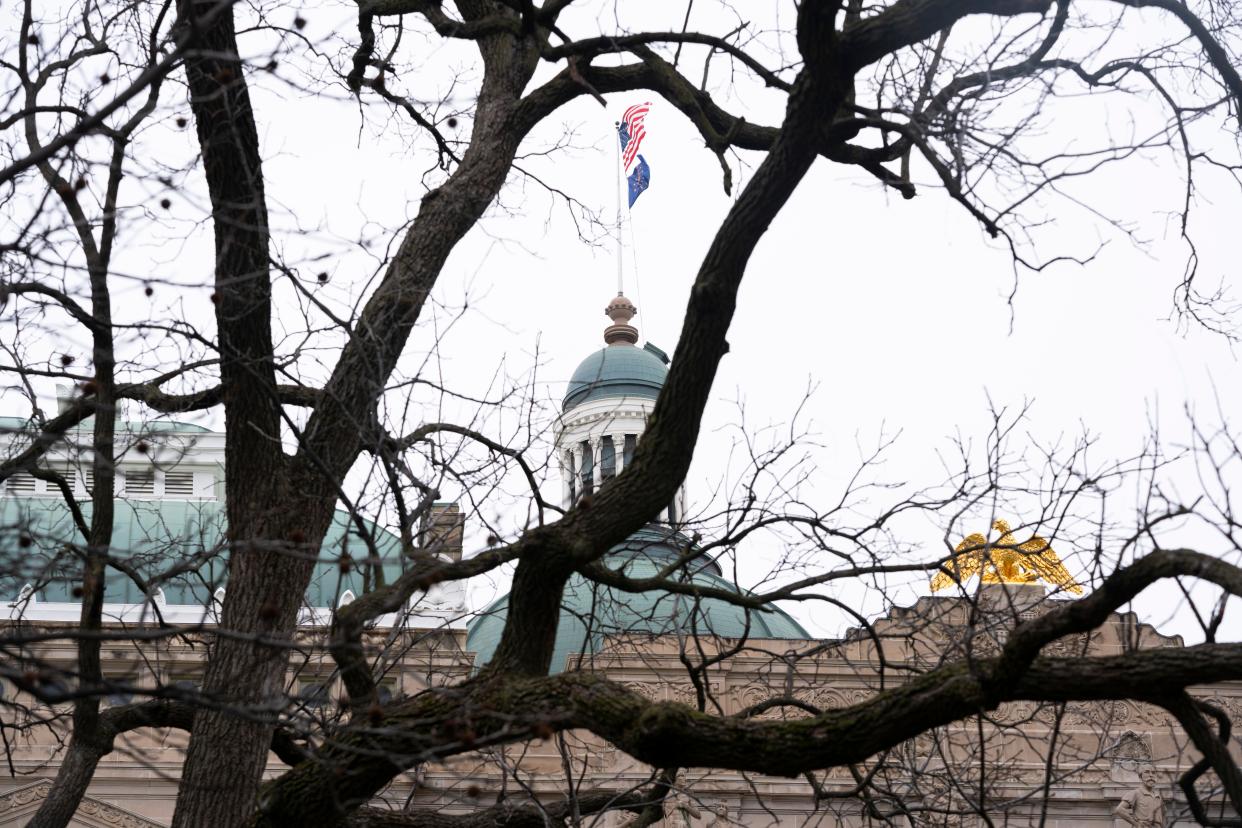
826 699
20 798
1071 646
650 690
90 810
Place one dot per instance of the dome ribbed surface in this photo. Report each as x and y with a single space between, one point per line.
616 371
593 616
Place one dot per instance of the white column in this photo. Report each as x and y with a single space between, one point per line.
597 465
566 484
618 452
576 452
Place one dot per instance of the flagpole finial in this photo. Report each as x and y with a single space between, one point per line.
621 310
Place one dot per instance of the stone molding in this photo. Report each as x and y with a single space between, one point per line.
91 813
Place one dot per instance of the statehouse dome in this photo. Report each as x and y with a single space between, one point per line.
622 370
593 616
595 445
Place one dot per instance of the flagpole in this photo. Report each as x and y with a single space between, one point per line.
638 282
616 145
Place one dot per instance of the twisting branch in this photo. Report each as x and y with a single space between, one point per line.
594 46
359 759
1216 756
425 431
81 314
505 814
671 735
1220 59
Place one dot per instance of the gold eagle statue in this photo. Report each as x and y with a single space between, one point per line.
1005 562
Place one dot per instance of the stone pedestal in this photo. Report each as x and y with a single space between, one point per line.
1010 599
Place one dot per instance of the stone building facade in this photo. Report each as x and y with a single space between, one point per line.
1100 764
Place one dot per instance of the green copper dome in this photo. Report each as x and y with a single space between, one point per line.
593 615
621 370
21 425
152 535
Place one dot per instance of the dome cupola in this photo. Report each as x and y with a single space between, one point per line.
621 369
616 373
610 396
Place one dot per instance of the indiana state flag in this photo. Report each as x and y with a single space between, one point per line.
640 179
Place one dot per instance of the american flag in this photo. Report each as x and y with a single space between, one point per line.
631 132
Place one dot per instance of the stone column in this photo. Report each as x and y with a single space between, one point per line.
597 461
618 452
576 463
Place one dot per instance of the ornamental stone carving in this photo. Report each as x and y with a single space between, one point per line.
752 695
17 799
1071 646
647 689
95 812
685 694
1132 747
828 699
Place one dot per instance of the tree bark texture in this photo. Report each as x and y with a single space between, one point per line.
279 509
228 746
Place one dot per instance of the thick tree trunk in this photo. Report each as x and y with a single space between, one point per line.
228 745
72 779
280 509
245 675
342 778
